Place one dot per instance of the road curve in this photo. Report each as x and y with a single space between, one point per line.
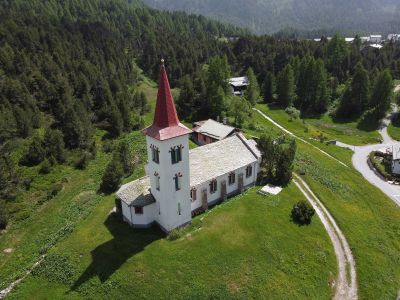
360 161
346 282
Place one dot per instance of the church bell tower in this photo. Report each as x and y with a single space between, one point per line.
168 160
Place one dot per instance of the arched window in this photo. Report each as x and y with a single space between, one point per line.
231 178
249 171
176 154
155 154
213 186
193 194
157 177
177 180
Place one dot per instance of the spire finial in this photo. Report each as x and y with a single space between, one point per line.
162 61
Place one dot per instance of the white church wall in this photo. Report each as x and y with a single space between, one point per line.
230 189
174 205
126 213
145 219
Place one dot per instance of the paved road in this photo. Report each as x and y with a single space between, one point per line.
360 157
346 282
360 161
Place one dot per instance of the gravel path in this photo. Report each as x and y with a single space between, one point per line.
8 289
346 282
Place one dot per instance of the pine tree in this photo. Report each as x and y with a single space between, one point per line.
253 89
53 143
112 176
321 95
286 87
382 94
355 98
185 101
35 154
116 125
269 87
337 52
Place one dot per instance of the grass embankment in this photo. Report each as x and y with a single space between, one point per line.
43 221
324 128
394 131
244 248
367 217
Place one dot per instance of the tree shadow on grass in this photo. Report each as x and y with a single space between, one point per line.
110 256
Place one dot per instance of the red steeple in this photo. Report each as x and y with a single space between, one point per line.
166 124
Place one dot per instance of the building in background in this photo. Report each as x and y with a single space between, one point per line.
210 131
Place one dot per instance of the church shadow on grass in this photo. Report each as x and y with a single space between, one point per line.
111 255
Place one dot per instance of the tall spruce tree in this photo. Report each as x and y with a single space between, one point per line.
269 87
253 89
185 101
286 87
382 94
356 96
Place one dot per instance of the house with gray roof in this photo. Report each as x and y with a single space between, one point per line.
210 131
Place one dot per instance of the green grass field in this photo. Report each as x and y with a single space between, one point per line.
394 131
367 217
244 248
313 129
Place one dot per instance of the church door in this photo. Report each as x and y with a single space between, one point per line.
240 182
223 190
204 200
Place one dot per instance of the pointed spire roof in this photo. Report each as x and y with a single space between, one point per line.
166 124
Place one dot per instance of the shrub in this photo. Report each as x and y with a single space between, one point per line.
175 234
292 112
45 168
82 162
35 154
302 213
112 176
54 190
3 215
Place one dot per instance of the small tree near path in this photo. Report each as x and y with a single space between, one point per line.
302 213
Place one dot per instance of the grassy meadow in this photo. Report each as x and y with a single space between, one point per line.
245 248
368 218
323 127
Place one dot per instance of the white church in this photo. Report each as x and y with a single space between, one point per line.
181 183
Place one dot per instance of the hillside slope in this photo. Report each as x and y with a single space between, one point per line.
268 16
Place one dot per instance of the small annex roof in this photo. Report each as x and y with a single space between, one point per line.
166 124
136 193
214 129
238 81
396 152
216 159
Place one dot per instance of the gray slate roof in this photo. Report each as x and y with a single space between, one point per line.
239 81
136 193
216 159
206 163
214 129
